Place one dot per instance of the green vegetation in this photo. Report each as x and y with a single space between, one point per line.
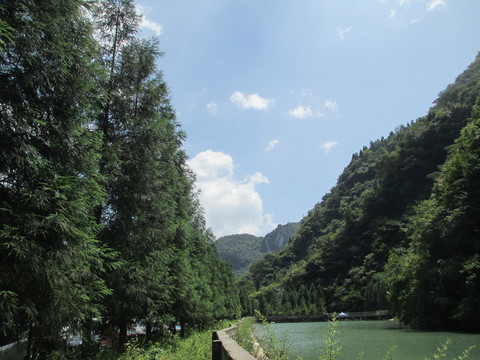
196 346
243 250
99 217
442 262
331 341
398 231
101 227
273 348
246 338
240 251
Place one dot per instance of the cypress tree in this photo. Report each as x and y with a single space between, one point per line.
51 261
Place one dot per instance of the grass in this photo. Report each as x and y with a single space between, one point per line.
196 346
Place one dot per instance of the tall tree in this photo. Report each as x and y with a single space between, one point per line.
142 162
49 274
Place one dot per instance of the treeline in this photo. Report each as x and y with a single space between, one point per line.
99 215
303 300
401 228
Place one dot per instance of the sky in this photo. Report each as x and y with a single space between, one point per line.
277 95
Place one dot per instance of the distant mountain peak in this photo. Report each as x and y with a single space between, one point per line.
241 250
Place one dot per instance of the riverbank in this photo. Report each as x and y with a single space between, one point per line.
361 315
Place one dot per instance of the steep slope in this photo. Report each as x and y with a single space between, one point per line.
278 238
345 240
435 283
244 249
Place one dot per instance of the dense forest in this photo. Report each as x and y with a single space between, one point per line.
400 230
242 250
101 226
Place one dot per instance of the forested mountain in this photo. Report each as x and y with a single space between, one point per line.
240 251
243 249
399 230
98 214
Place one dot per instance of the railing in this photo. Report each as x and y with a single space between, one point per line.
225 347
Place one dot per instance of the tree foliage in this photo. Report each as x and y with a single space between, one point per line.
50 182
435 283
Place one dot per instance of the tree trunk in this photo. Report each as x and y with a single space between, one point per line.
148 331
87 340
122 336
182 328
29 343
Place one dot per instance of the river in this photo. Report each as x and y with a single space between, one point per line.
374 338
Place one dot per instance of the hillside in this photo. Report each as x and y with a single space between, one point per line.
241 250
375 212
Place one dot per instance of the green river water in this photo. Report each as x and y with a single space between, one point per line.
374 338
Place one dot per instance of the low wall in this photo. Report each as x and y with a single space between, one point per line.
225 347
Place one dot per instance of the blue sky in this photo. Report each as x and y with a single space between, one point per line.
276 95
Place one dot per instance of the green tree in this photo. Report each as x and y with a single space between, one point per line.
151 215
435 284
51 261
141 170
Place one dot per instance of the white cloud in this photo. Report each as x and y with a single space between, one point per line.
152 25
157 28
332 105
301 112
212 107
433 4
414 21
392 13
252 101
231 206
341 32
328 145
272 144
306 92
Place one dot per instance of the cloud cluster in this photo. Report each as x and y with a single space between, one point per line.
430 6
212 107
301 112
147 23
341 32
252 101
328 145
231 206
272 144
433 4
332 105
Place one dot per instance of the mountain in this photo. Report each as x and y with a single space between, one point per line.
378 233
243 249
240 250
